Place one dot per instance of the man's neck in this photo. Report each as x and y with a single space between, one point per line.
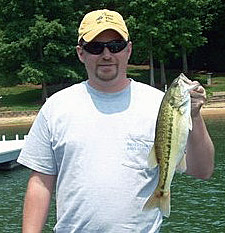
110 86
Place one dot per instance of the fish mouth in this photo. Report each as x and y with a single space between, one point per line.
193 86
189 85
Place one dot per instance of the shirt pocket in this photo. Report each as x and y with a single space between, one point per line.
137 151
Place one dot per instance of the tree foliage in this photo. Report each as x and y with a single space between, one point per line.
38 40
38 37
173 26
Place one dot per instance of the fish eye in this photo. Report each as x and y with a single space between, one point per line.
176 83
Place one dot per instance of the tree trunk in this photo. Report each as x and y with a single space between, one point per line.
184 60
44 91
162 73
151 65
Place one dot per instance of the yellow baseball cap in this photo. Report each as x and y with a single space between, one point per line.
98 21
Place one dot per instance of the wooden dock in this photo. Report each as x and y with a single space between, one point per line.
9 152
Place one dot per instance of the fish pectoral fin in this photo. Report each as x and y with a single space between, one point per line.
190 123
182 165
182 109
152 160
160 200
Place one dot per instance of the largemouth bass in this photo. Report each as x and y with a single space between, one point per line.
172 129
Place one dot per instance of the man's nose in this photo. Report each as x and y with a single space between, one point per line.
106 53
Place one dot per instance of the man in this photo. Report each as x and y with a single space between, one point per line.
93 140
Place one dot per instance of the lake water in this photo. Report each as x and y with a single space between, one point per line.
197 206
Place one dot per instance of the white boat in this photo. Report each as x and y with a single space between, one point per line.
9 152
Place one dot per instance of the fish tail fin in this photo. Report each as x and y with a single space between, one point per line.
160 200
152 202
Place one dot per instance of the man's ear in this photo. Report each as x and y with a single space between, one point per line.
80 53
129 49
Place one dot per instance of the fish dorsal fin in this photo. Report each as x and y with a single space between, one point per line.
152 160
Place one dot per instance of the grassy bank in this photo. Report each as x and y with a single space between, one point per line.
141 73
20 98
28 97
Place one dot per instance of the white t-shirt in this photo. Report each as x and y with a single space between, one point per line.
97 144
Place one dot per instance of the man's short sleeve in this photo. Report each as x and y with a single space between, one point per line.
37 153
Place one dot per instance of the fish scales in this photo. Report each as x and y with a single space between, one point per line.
172 128
164 136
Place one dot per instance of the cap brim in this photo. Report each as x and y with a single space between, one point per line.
92 34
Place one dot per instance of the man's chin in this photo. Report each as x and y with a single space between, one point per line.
106 78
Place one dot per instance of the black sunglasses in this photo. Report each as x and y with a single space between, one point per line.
96 48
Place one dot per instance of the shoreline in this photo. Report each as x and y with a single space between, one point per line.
17 121
207 113
213 113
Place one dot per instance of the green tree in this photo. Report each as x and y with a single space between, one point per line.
169 26
214 51
144 15
38 40
190 18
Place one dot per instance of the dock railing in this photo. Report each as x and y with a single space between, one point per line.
17 138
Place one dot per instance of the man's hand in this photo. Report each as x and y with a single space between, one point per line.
200 149
198 98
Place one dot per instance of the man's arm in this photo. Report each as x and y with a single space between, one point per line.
200 149
37 202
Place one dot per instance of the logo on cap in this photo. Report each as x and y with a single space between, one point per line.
104 18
